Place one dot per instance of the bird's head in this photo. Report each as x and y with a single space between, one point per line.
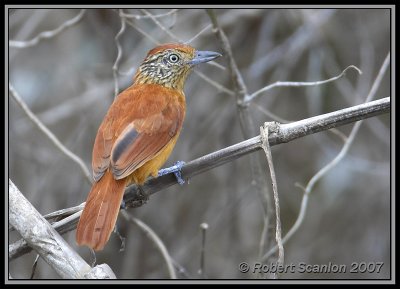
170 64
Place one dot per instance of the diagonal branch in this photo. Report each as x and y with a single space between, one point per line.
119 54
237 79
156 240
153 16
136 196
38 233
49 134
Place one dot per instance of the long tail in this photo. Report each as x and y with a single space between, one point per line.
100 213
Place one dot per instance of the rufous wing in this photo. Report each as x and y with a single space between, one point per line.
143 139
102 150
138 125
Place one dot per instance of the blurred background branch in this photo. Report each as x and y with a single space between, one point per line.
49 134
47 34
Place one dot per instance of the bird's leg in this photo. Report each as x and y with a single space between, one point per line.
176 169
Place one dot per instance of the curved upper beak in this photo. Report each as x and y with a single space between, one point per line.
203 56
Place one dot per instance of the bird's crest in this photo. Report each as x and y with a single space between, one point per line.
178 46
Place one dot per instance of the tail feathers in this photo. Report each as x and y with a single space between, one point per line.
100 213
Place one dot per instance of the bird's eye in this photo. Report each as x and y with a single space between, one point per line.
173 58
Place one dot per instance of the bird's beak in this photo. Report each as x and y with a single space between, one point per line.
203 56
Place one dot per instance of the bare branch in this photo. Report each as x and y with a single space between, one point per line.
70 107
378 78
39 234
141 31
293 45
292 83
156 240
217 65
158 23
214 83
268 113
135 196
61 214
63 226
119 54
59 217
330 165
235 74
198 34
203 228
281 120
49 134
48 34
138 17
34 266
286 132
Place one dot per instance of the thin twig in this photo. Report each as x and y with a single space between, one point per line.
157 241
141 31
61 214
330 165
351 95
237 78
47 34
203 228
181 270
158 23
119 54
135 196
49 134
69 107
378 78
138 17
295 44
198 34
292 83
121 238
263 238
264 132
34 266
269 114
214 83
58 216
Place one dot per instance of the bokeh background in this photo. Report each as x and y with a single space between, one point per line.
67 81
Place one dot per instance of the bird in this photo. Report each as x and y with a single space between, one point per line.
137 135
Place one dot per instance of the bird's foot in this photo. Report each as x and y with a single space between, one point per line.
176 169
